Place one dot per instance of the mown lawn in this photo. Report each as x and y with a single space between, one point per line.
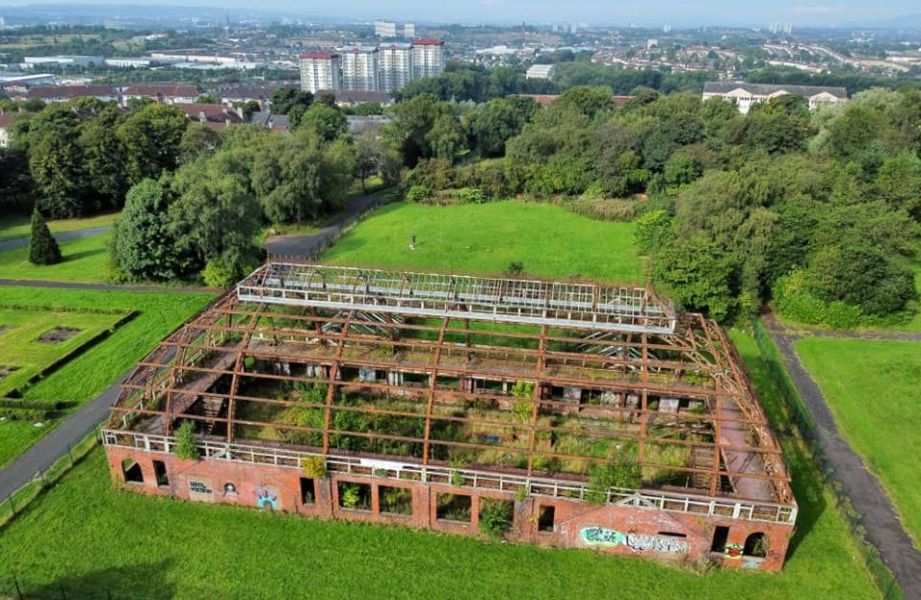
550 241
19 226
85 260
94 370
874 391
21 347
88 538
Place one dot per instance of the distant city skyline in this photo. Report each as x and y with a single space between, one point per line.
652 13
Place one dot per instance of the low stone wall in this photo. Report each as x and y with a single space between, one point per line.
617 529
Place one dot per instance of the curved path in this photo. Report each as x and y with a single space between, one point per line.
866 493
63 236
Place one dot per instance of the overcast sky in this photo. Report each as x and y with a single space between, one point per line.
646 12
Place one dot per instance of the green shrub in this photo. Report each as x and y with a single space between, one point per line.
496 517
350 496
185 447
218 274
652 231
470 195
523 405
622 472
314 466
793 301
419 193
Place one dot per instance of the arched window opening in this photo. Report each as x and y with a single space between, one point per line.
755 545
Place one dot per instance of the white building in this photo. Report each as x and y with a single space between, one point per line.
395 63
6 119
540 72
385 29
428 58
320 71
747 95
129 63
30 62
409 30
359 68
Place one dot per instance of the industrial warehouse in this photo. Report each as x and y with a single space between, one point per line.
590 416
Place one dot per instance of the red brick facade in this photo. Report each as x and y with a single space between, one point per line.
617 529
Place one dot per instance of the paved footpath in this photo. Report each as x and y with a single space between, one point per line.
58 442
866 492
77 234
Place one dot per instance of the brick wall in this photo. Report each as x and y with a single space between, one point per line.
616 529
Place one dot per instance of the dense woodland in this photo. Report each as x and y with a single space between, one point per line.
818 211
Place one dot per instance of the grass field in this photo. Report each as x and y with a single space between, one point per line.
485 238
19 226
20 346
874 391
144 547
91 372
85 260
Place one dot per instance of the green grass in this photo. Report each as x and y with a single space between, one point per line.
93 371
85 260
485 238
18 226
20 347
874 391
142 547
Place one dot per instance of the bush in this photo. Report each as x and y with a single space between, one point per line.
652 231
218 274
185 447
496 517
793 301
314 466
470 195
419 193
623 472
602 209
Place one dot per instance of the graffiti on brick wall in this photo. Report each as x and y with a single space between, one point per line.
201 490
599 536
734 551
266 497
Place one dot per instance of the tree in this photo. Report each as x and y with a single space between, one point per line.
698 275
56 161
151 136
196 140
43 248
497 121
207 99
327 121
145 244
446 137
299 177
288 97
104 159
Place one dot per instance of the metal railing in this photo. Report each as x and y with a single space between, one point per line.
479 480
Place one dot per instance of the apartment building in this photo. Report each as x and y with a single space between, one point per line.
320 71
747 95
385 29
395 66
360 68
428 58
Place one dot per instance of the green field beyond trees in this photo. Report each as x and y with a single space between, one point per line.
88 374
486 238
90 539
873 390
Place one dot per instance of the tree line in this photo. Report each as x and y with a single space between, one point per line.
194 199
819 211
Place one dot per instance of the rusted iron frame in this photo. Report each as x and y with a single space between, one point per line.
235 378
682 418
717 452
644 398
472 445
484 332
689 390
433 377
331 390
536 395
566 358
616 385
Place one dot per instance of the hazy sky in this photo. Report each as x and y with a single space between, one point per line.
651 12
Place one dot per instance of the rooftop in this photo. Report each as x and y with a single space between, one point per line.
767 89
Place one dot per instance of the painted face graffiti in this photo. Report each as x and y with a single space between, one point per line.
599 536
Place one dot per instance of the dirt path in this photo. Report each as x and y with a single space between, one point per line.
867 494
774 324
